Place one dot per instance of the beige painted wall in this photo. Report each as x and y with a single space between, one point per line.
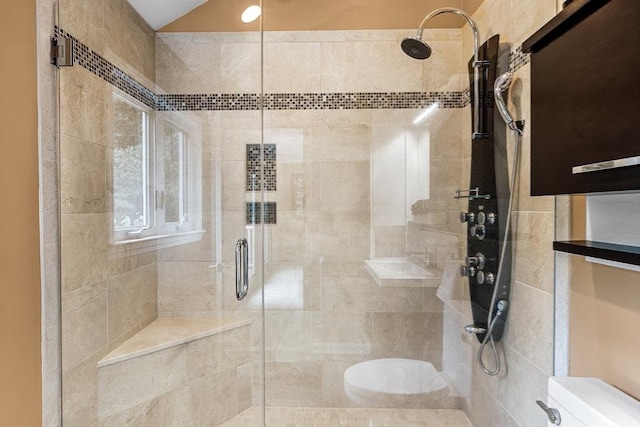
20 374
300 15
605 318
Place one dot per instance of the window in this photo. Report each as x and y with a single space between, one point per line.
156 175
132 143
175 196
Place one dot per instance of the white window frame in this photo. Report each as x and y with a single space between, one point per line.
157 233
148 141
186 180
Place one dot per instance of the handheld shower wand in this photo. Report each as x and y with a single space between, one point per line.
501 84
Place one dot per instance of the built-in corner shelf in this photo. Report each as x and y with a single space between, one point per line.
609 251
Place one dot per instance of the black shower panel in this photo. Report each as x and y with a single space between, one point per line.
488 197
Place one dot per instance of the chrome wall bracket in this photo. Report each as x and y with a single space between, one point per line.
471 194
61 51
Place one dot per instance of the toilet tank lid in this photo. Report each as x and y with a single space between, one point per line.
595 402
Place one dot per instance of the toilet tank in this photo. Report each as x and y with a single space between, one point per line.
589 402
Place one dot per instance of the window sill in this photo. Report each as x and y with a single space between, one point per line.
161 241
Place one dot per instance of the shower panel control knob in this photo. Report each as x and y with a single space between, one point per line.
489 218
485 278
477 231
467 217
476 261
467 271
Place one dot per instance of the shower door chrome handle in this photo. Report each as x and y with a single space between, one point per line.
242 268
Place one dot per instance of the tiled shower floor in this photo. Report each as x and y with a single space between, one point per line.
348 417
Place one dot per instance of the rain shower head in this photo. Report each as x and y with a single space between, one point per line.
416 48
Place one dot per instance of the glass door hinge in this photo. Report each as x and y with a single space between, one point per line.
62 51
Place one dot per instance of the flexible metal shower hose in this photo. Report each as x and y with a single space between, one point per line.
491 322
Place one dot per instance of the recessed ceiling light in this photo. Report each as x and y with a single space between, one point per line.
251 13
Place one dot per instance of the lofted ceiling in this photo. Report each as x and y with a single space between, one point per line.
158 13
296 15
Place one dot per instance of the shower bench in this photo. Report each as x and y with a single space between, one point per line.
194 361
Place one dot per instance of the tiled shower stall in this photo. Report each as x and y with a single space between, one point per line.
308 143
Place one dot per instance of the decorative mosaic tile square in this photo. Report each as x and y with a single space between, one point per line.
258 213
255 173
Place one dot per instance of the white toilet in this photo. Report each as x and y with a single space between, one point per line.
590 402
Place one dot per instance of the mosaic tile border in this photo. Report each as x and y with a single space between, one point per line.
311 101
96 64
518 59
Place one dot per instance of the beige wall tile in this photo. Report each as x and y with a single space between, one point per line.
445 70
527 17
82 108
457 353
288 335
84 323
284 72
186 286
333 395
349 67
244 383
287 239
487 410
530 331
129 383
213 400
341 336
408 335
362 294
187 67
240 68
80 393
168 409
84 189
138 46
84 20
340 186
293 384
518 387
533 254
389 242
233 142
133 300
331 141
217 353
84 246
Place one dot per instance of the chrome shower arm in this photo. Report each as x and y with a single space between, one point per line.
417 49
458 12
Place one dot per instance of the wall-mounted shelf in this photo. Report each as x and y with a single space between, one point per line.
609 251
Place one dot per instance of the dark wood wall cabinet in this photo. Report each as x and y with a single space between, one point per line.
585 99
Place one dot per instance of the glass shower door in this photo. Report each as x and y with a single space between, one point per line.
160 174
363 303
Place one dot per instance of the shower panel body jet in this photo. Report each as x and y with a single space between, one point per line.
487 207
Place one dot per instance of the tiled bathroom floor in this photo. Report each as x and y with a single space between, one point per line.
348 417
